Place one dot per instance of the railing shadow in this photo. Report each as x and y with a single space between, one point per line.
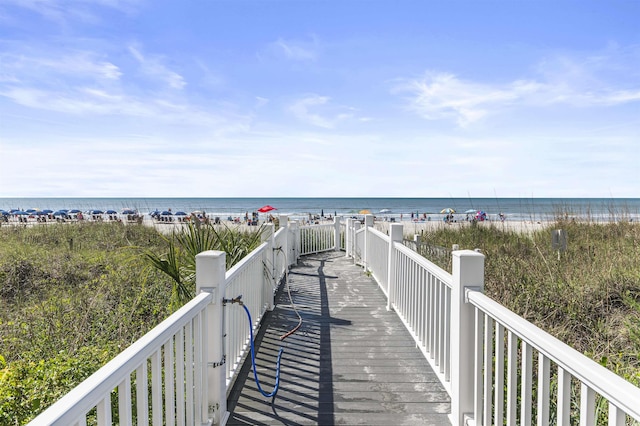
306 381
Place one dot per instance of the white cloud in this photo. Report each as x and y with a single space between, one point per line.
66 12
561 81
153 66
294 50
318 111
42 66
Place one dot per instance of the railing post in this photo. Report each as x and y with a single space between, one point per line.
347 237
293 251
210 277
287 250
395 235
468 272
417 241
354 246
368 222
336 233
268 236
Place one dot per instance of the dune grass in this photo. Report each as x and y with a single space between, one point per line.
73 296
587 296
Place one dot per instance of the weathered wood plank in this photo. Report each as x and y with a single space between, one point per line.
351 361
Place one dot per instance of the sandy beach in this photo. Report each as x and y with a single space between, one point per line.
410 228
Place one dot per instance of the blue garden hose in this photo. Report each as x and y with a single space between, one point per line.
253 363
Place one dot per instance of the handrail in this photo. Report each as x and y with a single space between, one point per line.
238 267
440 273
591 373
91 391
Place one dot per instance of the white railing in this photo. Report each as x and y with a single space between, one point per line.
508 343
318 238
477 346
187 364
174 349
422 300
474 344
377 249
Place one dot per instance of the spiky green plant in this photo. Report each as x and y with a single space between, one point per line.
179 263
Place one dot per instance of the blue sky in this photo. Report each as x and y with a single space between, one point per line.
209 98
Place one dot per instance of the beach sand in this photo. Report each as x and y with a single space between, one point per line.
410 228
413 228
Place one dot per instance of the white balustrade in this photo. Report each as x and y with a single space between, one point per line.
483 353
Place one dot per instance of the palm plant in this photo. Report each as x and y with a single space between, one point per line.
179 263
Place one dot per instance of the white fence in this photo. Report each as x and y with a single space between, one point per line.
186 364
484 354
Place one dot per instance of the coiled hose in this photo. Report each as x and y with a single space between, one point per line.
253 363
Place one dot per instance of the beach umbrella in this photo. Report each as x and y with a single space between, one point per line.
20 213
266 209
180 214
447 210
128 211
47 211
364 212
31 210
111 212
4 213
166 213
60 213
470 211
73 211
96 212
385 211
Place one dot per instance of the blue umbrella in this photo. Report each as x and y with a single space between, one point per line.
96 212
74 211
4 213
166 213
31 210
47 211
180 214
111 212
20 213
128 211
60 213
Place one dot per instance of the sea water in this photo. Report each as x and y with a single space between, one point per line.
523 209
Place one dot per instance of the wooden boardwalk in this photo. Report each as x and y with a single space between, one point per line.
351 362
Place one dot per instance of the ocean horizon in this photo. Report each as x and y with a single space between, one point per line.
605 209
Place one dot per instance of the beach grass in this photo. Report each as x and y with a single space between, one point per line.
73 296
588 295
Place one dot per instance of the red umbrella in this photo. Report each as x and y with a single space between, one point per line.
265 209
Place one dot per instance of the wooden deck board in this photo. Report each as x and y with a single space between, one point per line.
351 362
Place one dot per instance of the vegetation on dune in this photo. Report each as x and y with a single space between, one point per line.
179 263
588 297
73 296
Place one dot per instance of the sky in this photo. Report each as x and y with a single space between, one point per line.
319 98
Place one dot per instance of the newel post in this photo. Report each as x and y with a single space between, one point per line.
268 236
210 277
348 235
336 233
395 235
368 223
468 272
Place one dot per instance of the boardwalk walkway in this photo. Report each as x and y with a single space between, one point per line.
351 361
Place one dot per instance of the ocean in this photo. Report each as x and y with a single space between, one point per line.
527 209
